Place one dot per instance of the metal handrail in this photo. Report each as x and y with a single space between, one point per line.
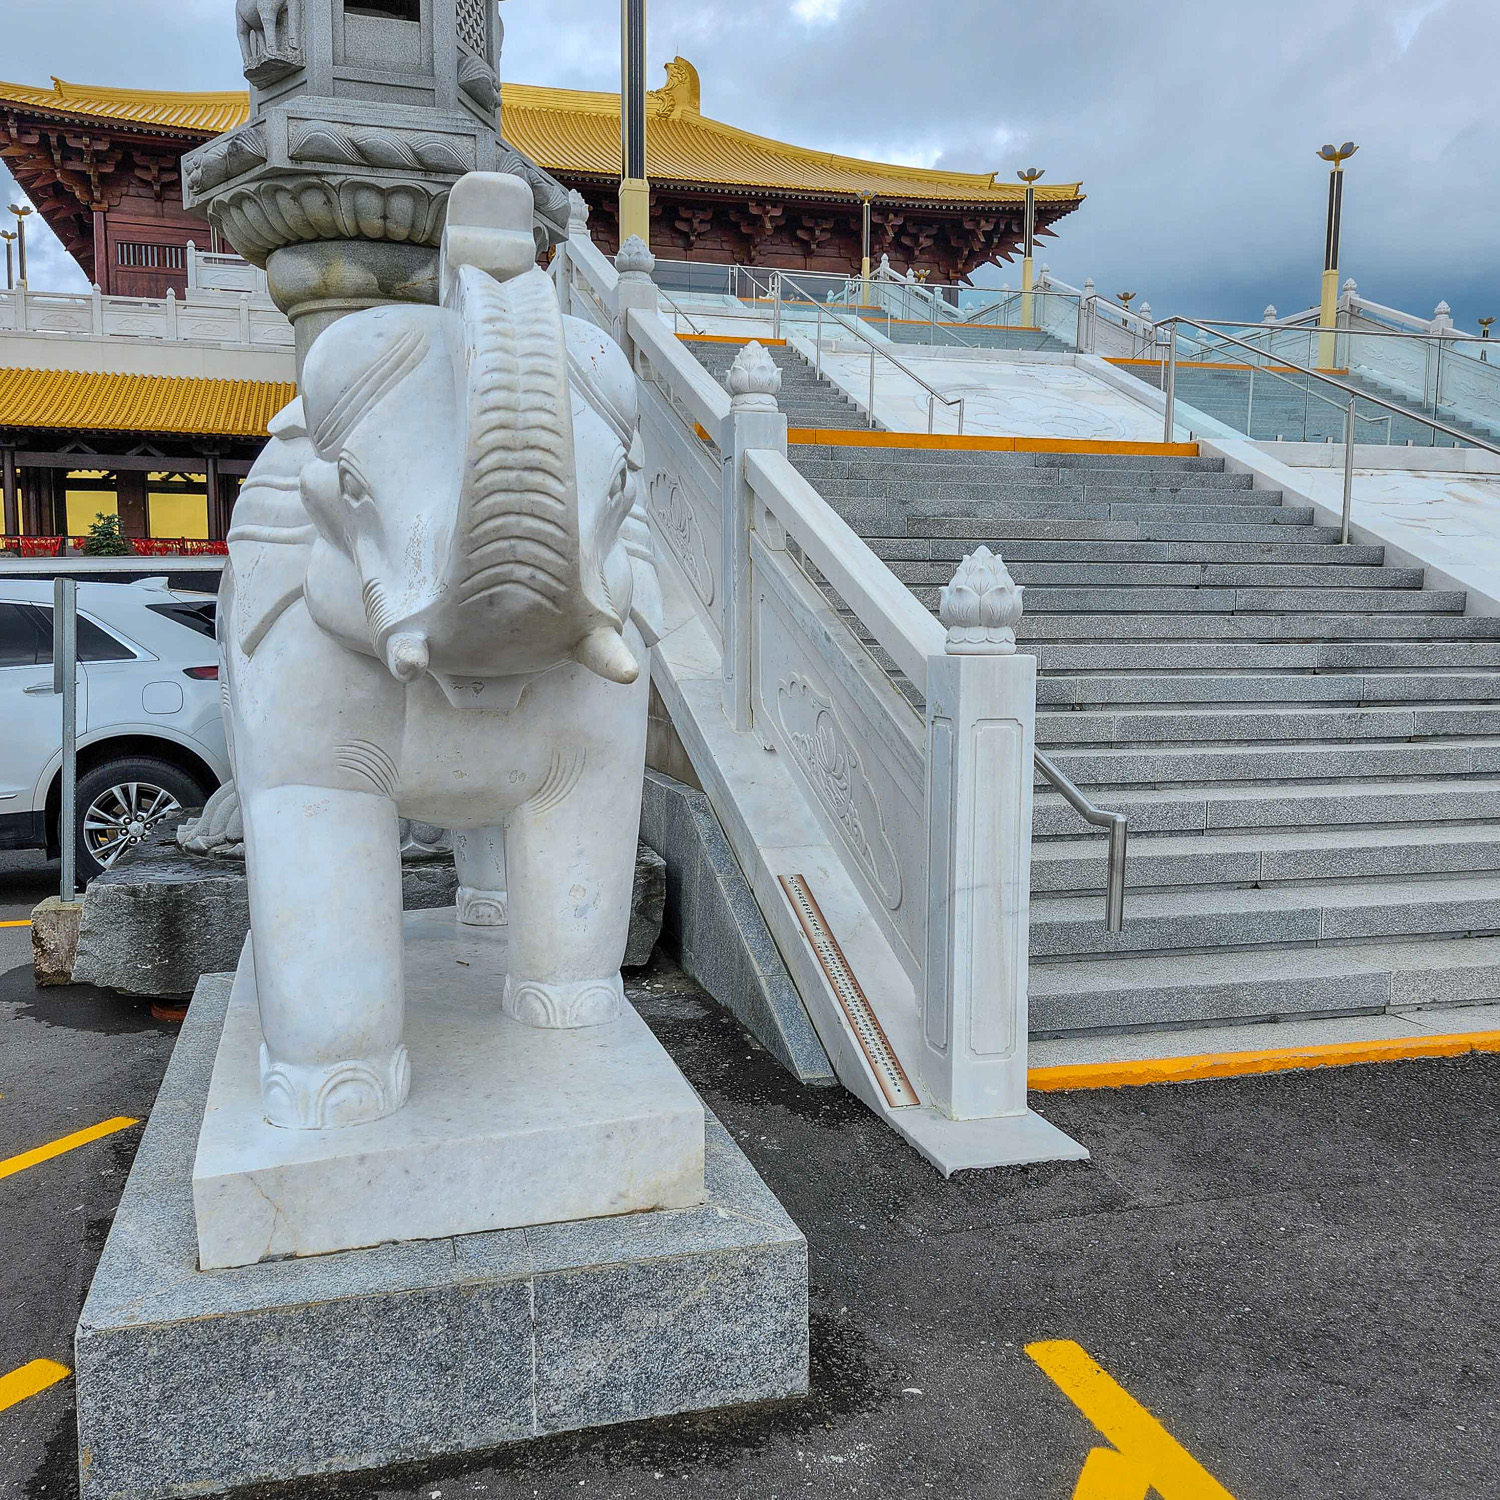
1119 839
1353 393
1349 390
933 394
677 312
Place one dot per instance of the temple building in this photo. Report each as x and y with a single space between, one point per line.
155 408
103 167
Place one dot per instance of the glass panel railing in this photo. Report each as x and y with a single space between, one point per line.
1447 379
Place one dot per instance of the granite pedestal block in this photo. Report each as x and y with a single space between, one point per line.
190 1382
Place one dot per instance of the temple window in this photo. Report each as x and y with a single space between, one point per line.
386 10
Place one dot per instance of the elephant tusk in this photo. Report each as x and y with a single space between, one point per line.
407 656
606 655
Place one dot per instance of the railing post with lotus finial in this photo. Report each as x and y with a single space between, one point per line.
755 422
981 723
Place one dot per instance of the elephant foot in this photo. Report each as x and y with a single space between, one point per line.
481 908
328 1096
564 1006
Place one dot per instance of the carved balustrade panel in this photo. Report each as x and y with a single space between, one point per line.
683 499
853 742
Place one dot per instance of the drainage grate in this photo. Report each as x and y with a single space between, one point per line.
879 1053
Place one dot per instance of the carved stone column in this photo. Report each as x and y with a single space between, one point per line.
360 124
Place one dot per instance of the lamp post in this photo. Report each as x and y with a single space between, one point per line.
1328 311
9 236
865 199
1030 177
1485 324
22 214
635 190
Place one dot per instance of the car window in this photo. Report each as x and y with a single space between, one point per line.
197 615
94 644
20 640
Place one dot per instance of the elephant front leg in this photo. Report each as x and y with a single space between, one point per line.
571 864
479 857
324 871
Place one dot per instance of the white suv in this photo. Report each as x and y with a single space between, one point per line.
150 720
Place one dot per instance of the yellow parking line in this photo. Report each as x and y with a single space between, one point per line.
26 923
1146 1458
30 1379
67 1143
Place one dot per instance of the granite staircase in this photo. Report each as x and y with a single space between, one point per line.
808 399
1307 741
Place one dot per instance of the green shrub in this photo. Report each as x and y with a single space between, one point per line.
105 538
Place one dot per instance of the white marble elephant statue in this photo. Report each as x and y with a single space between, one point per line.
440 594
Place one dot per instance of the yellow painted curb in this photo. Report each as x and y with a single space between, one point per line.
730 338
26 923
842 437
1121 1075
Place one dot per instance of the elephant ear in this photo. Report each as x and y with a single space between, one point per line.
521 559
271 538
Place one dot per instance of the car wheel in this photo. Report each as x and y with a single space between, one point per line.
121 802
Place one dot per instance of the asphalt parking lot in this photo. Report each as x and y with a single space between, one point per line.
1296 1275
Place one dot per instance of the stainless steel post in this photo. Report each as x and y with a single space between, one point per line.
820 341
1114 896
1078 330
777 333
1169 424
871 408
65 683
931 402
1348 472
1250 406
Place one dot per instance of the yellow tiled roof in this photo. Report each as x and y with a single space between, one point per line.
572 131
92 402
569 130
208 114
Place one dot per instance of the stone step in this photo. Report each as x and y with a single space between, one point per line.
1274 656
1001 459
1078 866
892 520
1117 629
998 535
1102 769
864 465
1260 984
1265 554
1091 690
1223 809
1291 726
1327 912
1042 576
930 496
1041 599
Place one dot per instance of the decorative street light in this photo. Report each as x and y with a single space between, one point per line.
635 190
1328 313
22 214
9 236
865 199
1031 176
1485 324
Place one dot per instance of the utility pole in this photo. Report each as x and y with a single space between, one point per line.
635 190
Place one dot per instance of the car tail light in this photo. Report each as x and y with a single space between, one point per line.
202 674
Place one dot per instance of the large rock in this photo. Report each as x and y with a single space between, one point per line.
163 917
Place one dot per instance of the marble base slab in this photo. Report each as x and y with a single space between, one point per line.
507 1125
194 1382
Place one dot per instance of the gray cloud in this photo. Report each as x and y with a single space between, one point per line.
1192 126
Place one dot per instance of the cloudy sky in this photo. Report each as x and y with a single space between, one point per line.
1192 124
